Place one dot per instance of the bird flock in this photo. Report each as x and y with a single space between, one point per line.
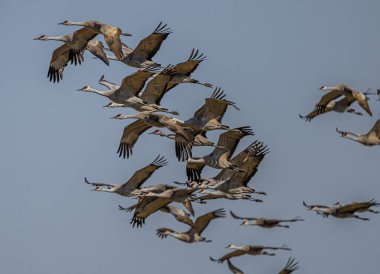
143 91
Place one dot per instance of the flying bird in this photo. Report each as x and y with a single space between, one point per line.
194 234
141 56
135 182
265 223
110 33
371 138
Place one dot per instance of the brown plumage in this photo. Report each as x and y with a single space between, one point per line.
265 223
291 266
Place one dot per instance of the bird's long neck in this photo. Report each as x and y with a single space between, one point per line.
354 137
105 93
82 24
107 189
57 38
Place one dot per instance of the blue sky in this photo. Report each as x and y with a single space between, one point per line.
270 57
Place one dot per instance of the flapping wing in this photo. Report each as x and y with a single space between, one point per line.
112 37
156 88
376 129
161 232
233 268
133 84
248 160
96 48
290 266
81 38
140 216
194 170
230 255
188 67
149 46
184 144
130 136
203 221
229 140
241 218
215 107
140 176
61 56
327 98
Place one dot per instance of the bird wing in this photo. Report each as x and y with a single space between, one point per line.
202 222
235 253
233 268
364 104
291 265
376 129
161 232
248 160
141 175
130 136
112 37
229 140
179 214
351 208
81 38
149 46
156 88
96 48
152 207
241 218
191 64
194 170
133 84
61 56
215 107
184 143
327 98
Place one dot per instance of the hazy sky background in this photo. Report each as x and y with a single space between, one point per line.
270 57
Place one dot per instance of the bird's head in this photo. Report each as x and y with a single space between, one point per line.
229 246
322 88
85 88
118 116
65 23
109 105
245 222
42 37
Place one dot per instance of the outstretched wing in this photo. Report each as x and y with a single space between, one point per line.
161 232
96 48
156 88
241 218
327 98
230 255
202 222
130 136
229 140
81 38
376 129
152 207
61 56
133 84
194 170
290 266
233 268
140 176
149 46
112 37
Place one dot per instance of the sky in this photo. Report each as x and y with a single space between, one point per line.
269 56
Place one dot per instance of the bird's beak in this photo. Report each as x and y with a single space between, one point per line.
242 223
126 34
62 23
37 38
80 89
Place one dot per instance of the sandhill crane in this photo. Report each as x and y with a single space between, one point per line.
72 50
326 104
182 71
371 138
265 223
220 157
206 118
200 139
291 266
233 268
341 89
146 120
193 235
179 214
138 178
344 211
111 34
250 250
142 55
151 202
